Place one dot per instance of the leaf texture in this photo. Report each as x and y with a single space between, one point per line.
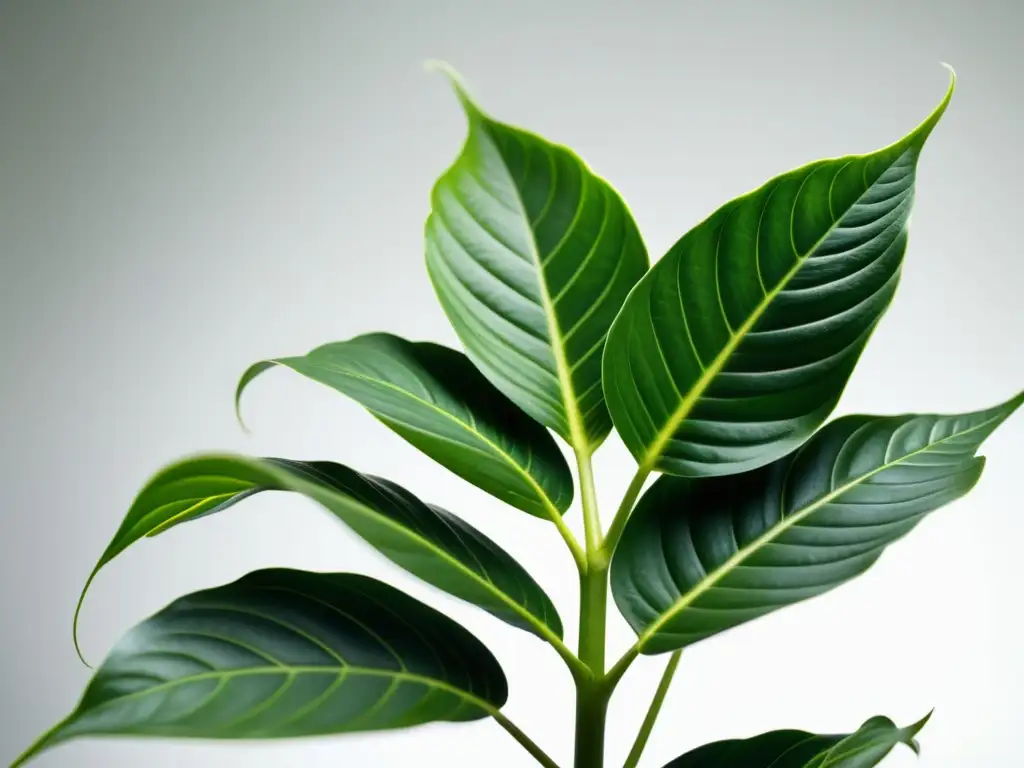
866 747
435 398
425 540
284 653
700 556
532 256
738 343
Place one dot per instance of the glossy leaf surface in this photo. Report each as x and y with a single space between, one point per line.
425 540
700 556
738 343
436 399
284 653
866 747
532 256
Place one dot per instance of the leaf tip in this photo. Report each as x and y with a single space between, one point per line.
456 81
910 732
78 613
920 134
251 373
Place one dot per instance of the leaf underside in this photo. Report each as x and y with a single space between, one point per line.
436 399
738 343
703 555
284 653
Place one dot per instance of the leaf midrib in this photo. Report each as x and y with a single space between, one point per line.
664 435
574 417
368 512
295 671
685 601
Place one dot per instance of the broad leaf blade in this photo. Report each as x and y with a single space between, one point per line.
532 256
425 540
700 556
436 399
284 653
738 343
866 747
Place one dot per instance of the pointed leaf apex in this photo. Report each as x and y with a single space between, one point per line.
909 733
251 373
920 134
457 82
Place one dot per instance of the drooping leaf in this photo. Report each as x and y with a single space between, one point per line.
738 343
532 256
284 653
425 540
866 747
436 399
702 555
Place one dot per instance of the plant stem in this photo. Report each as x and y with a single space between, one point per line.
652 714
528 744
591 693
611 541
578 554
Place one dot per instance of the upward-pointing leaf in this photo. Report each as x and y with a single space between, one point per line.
737 344
866 747
532 256
425 540
281 654
702 555
436 399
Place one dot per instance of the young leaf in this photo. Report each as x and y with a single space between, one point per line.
866 747
425 540
738 343
284 653
532 256
700 556
436 399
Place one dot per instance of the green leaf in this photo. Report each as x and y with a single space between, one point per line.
702 555
738 343
532 256
866 747
425 540
284 653
436 399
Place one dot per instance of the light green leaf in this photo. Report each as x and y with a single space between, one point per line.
436 399
866 747
702 555
532 256
283 653
737 345
425 540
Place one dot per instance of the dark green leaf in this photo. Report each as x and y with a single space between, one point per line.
283 653
737 345
866 747
436 399
702 555
532 256
427 541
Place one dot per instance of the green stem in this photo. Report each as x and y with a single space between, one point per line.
579 556
611 541
528 744
652 714
592 694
